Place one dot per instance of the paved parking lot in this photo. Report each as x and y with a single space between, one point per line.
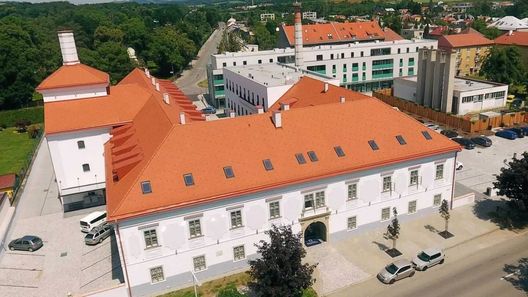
64 264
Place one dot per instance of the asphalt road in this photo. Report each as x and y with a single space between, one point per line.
466 274
188 81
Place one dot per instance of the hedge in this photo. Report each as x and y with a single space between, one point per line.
8 118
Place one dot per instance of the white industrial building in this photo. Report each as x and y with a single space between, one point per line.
264 17
309 15
248 88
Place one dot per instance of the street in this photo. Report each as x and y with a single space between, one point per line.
188 81
466 273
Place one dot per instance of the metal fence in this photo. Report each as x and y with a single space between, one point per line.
22 174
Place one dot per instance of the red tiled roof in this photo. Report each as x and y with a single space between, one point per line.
74 75
390 35
438 31
463 40
246 141
7 181
123 103
336 32
519 38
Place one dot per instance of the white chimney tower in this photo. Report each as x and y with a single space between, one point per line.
68 48
298 35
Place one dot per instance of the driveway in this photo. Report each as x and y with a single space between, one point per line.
64 264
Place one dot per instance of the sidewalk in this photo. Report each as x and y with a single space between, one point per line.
365 248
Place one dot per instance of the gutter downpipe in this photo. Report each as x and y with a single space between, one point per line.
124 261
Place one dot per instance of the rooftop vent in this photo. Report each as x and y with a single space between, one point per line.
342 99
325 87
339 151
228 171
182 118
166 98
312 156
146 188
300 158
157 86
426 135
373 145
153 80
231 114
401 140
260 109
147 72
267 164
285 106
188 179
277 119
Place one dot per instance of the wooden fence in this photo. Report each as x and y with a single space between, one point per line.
454 122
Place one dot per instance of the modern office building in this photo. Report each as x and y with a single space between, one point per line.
198 200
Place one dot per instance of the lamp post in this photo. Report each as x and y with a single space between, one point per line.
195 283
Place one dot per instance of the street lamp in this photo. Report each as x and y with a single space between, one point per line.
195 283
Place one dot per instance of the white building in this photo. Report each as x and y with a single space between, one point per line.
412 33
469 95
248 88
264 17
510 23
80 109
176 214
309 15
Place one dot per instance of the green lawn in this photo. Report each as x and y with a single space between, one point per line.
14 150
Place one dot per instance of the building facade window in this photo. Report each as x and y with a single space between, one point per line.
236 219
352 191
80 144
437 200
413 180
199 263
387 183
385 213
439 171
274 209
239 253
156 274
86 167
310 202
412 206
151 239
352 223
195 228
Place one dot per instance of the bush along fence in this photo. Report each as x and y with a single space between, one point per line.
452 121
10 118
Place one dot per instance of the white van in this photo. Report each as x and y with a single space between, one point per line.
93 220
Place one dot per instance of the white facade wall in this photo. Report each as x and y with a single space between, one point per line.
176 250
405 89
68 160
74 93
487 102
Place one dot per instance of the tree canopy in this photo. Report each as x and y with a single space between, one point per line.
279 271
504 65
512 182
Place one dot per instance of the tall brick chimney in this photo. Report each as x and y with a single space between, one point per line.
298 35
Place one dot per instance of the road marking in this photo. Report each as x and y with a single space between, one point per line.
19 286
25 269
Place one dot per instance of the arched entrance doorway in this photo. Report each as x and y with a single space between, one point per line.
315 231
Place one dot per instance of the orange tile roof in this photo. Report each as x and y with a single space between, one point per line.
123 103
519 38
200 149
74 75
390 35
299 96
336 32
463 40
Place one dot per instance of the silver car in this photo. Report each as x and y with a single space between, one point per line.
98 234
428 258
396 271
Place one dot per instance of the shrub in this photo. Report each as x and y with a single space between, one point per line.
229 291
34 130
9 118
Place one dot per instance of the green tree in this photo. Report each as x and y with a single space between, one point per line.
444 213
512 181
482 27
393 229
263 37
504 65
279 271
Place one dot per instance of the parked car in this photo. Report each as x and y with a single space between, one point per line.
312 241
98 234
465 142
506 134
28 243
428 258
209 110
459 165
432 126
449 133
482 140
518 131
396 271
525 130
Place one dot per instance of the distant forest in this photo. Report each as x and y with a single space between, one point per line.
166 37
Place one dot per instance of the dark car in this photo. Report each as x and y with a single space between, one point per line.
518 131
209 110
465 142
27 243
507 134
98 234
312 241
449 133
482 141
525 130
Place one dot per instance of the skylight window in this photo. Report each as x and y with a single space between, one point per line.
312 156
267 164
228 171
339 151
373 145
426 135
146 188
401 140
300 158
188 179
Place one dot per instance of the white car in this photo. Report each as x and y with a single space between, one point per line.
428 258
459 165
